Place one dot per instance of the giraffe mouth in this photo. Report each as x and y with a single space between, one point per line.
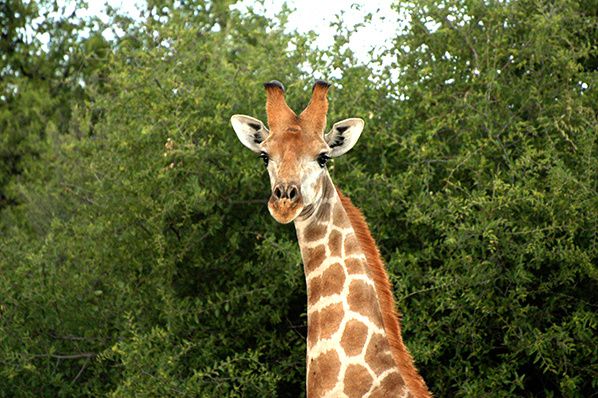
284 210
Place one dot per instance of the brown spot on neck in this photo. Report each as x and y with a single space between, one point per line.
329 283
335 243
331 318
351 245
355 266
313 257
339 216
354 337
391 386
314 231
333 280
377 354
362 299
322 374
357 381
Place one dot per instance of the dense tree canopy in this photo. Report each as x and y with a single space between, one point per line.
137 257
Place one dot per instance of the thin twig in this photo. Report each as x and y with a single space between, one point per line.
81 371
67 356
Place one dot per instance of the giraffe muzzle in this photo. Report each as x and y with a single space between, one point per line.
286 191
286 202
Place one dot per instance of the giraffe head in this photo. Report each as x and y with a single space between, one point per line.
295 149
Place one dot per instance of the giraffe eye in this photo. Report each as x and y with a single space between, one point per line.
264 156
322 159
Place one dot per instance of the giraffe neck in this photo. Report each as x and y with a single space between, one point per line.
348 351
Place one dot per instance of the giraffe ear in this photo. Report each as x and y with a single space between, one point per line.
250 131
343 136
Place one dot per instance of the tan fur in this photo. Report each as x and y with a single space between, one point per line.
313 118
401 356
279 114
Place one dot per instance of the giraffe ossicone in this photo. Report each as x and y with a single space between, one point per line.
354 343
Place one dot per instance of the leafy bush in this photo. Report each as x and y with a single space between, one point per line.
138 258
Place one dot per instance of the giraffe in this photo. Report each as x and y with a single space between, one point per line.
354 343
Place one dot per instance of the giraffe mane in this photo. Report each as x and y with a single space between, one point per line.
390 316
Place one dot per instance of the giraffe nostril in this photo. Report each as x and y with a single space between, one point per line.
277 193
292 193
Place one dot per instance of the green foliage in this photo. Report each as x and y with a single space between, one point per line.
138 258
52 66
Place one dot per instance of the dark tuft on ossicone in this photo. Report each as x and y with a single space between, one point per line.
320 83
274 83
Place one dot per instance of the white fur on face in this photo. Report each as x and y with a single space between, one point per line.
273 172
309 174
